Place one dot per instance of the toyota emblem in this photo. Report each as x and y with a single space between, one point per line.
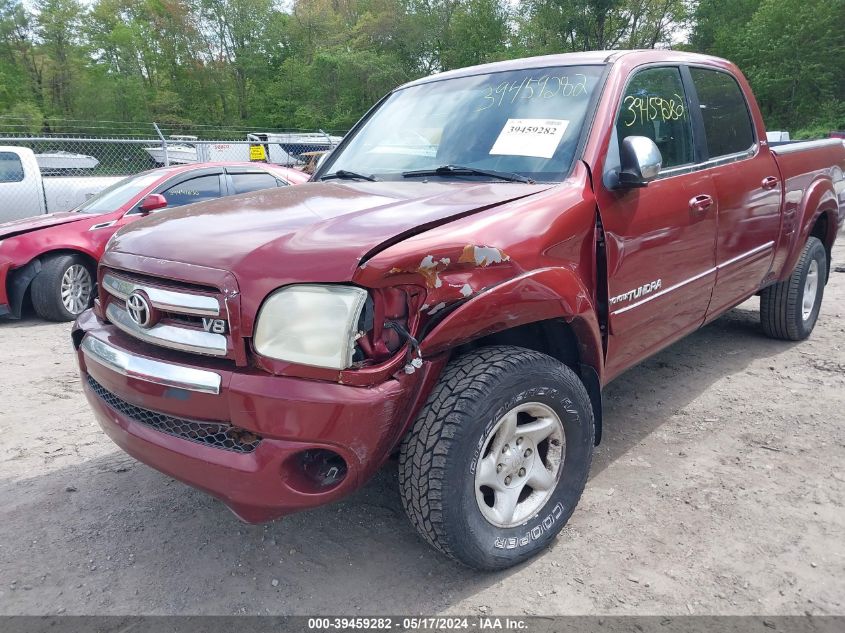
139 309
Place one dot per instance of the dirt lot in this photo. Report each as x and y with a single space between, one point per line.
719 488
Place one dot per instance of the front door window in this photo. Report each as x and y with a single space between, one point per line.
654 105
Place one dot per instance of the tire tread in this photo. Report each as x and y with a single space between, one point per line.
779 302
463 383
45 301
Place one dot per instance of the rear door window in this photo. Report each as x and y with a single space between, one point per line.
244 183
727 121
655 105
193 190
11 169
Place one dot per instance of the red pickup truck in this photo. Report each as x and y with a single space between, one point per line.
484 251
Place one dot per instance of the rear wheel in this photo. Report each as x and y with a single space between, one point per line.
64 288
498 457
789 309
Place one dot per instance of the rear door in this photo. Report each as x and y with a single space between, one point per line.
660 238
748 188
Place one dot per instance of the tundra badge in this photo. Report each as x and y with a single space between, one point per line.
636 293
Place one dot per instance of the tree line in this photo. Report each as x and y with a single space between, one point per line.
312 64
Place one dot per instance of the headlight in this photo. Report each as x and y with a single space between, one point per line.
310 325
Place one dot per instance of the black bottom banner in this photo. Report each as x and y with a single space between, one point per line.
325 624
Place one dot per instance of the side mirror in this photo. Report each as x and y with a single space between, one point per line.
152 202
641 162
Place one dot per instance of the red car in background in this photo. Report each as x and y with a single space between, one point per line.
55 256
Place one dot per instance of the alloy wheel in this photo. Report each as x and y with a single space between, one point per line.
76 288
520 465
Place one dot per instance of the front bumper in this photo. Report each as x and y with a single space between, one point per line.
289 415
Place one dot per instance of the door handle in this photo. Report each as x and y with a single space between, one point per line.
770 182
701 203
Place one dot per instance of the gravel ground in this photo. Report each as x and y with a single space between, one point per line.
718 489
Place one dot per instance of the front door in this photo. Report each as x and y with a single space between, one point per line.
660 239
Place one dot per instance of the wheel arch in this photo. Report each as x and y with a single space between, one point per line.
20 279
89 258
549 311
824 228
818 215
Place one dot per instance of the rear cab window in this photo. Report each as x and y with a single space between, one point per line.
728 127
11 168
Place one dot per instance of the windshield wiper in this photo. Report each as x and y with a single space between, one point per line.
348 175
461 170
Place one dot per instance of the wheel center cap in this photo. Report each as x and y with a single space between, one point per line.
516 461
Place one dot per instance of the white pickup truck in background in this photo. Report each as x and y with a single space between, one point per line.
25 191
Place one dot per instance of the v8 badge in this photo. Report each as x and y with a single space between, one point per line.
218 326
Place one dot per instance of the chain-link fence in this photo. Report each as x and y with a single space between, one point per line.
57 172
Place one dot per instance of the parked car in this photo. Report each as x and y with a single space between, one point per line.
462 300
25 190
54 256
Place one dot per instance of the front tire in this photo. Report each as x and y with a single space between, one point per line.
498 457
63 289
789 309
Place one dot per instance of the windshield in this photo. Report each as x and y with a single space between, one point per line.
524 122
113 197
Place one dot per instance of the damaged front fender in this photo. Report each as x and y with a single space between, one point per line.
450 275
480 290
553 293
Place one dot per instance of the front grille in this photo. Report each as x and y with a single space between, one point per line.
216 434
178 314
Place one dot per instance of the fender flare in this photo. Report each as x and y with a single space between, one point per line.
539 295
820 198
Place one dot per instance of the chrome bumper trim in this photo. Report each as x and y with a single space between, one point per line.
179 338
167 300
149 370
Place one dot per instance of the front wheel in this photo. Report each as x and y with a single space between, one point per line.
63 289
498 457
789 309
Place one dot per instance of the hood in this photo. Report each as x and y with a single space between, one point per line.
26 225
311 232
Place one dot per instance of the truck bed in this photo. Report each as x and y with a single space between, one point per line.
805 168
63 193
